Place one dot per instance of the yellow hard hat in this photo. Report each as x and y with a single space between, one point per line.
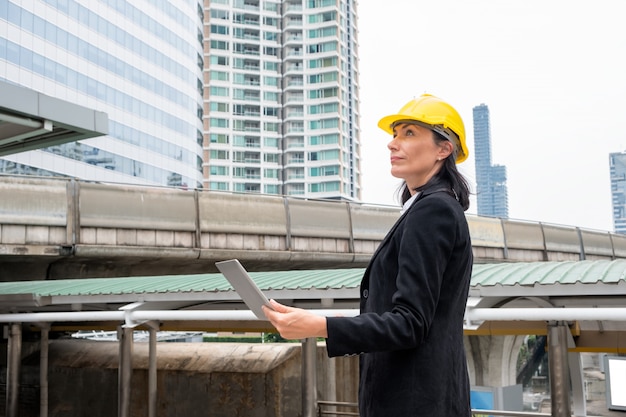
437 115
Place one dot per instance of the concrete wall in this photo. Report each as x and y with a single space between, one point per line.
194 379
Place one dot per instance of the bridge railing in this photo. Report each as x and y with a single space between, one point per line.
69 217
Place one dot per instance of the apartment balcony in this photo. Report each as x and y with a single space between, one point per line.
293 68
293 23
290 9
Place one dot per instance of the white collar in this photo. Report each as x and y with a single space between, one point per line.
409 202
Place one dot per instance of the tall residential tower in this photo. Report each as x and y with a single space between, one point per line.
617 164
491 189
139 62
281 98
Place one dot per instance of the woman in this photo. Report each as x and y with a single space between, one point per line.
409 332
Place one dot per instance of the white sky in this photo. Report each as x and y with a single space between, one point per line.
552 72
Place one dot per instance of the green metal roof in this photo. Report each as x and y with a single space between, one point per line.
549 273
277 280
484 275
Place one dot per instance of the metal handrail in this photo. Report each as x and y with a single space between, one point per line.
508 413
475 412
321 412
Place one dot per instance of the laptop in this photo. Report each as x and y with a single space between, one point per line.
250 293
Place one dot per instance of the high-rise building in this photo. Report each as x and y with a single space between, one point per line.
491 189
140 62
281 98
617 165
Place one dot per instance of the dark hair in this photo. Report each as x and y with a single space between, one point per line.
448 173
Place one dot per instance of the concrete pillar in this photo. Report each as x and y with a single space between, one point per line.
492 359
43 370
309 377
152 372
14 354
125 370
559 369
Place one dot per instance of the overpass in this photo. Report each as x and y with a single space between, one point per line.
53 229
58 228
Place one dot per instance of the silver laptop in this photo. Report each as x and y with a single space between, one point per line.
238 277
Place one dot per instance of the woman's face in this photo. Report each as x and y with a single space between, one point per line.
415 156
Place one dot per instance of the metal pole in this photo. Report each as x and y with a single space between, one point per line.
43 371
152 373
559 370
309 377
13 369
125 371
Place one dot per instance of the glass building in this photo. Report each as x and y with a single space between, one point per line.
617 164
281 98
139 62
491 189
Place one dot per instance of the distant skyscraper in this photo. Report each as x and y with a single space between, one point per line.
281 98
617 164
491 189
140 62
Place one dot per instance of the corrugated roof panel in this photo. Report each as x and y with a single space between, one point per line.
485 275
320 279
303 279
549 273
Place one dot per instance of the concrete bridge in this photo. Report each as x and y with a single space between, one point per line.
65 228
54 229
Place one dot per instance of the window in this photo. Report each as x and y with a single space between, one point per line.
313 4
218 154
270 127
270 142
323 17
221 107
218 138
270 21
324 124
324 187
272 158
269 96
271 111
273 81
324 108
219 75
324 93
219 14
219 44
215 122
323 78
270 66
270 173
219 60
323 32
325 171
219 29
218 186
331 154
219 91
219 170
323 47
323 62
270 51
271 189
331 139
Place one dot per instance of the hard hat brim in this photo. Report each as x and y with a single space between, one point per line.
387 123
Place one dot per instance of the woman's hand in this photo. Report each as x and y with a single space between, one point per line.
295 323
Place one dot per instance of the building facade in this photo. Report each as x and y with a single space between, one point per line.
139 62
281 109
617 165
491 188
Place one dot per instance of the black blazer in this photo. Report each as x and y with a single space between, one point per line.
410 330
